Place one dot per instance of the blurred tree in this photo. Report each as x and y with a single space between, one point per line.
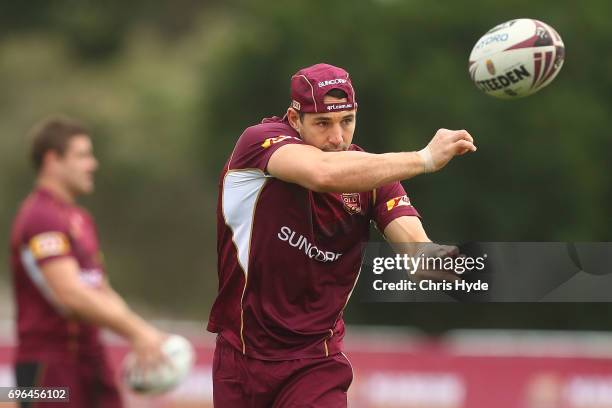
408 62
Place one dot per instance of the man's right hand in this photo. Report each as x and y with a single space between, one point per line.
102 306
445 145
433 250
147 347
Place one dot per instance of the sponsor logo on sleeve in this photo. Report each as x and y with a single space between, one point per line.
398 202
352 202
274 140
92 277
49 244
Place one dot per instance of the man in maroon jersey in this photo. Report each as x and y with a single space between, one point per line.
61 290
296 199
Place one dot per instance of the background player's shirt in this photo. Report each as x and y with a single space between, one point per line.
47 228
288 257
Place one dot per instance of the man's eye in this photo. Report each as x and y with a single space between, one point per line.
322 124
348 121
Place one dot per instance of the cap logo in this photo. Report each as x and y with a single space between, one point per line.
332 82
295 105
345 106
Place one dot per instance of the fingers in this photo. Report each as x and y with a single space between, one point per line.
146 361
450 250
463 146
151 362
460 140
443 251
148 351
437 276
462 135
454 135
449 143
438 251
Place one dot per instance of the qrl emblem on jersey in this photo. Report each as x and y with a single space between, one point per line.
352 202
49 244
273 140
398 202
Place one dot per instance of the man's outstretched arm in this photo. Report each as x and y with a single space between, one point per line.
352 171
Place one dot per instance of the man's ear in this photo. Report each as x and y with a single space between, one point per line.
50 156
294 117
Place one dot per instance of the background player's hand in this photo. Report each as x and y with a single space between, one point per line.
445 145
147 348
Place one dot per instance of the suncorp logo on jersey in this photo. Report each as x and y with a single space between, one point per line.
301 243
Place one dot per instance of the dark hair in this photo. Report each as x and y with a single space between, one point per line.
336 93
53 134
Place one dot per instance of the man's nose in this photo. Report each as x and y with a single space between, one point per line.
335 136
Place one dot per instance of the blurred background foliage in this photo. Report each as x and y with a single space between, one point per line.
167 88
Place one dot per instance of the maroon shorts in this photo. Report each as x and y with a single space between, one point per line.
91 381
240 381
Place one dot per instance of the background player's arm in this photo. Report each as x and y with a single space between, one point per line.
352 171
405 234
102 307
110 292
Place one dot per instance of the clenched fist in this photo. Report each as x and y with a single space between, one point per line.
445 145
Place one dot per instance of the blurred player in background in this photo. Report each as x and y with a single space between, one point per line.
61 289
295 202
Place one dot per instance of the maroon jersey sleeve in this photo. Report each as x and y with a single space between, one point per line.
46 233
257 144
391 202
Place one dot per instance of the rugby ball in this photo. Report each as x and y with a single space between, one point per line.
180 358
516 58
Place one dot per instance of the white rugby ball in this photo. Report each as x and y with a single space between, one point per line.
516 58
180 355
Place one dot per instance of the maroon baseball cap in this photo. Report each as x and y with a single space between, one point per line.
309 86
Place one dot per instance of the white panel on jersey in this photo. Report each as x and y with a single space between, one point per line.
37 277
240 191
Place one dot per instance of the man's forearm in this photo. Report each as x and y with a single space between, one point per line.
100 308
350 172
